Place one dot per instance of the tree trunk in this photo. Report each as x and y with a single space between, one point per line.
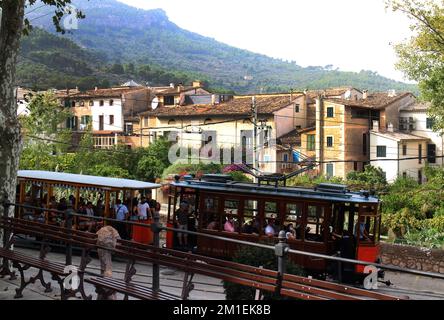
10 138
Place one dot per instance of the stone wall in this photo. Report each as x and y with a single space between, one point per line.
412 257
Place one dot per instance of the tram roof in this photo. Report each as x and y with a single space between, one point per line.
69 179
271 191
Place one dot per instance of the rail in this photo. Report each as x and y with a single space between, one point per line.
281 249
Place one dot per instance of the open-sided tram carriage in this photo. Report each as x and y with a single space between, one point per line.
328 219
37 188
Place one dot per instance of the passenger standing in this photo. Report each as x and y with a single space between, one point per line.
182 221
121 215
143 209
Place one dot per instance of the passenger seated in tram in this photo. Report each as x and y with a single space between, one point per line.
229 225
85 223
290 232
361 228
248 227
270 229
213 225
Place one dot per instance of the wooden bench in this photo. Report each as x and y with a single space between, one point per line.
59 272
190 264
311 289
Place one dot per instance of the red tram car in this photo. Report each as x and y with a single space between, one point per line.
326 220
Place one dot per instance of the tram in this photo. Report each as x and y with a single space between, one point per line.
58 190
327 220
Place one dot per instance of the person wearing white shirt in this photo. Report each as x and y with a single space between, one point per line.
143 208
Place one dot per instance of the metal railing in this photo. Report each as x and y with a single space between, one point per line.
281 249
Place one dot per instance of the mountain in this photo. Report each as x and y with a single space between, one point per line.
50 61
121 34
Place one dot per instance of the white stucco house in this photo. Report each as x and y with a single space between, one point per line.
399 154
415 120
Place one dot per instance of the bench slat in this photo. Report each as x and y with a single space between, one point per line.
131 289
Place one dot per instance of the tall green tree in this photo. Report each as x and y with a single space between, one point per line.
422 56
12 26
44 139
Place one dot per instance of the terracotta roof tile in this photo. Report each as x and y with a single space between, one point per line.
378 100
240 105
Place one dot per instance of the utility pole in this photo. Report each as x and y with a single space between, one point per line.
254 116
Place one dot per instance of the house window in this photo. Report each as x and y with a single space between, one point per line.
355 166
330 142
169 100
84 122
102 103
71 123
129 128
420 153
111 119
111 102
73 104
330 112
297 108
404 149
145 122
91 103
381 151
429 123
330 168
285 158
311 144
431 153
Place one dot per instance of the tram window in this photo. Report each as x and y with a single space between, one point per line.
210 212
231 219
272 220
251 222
293 221
315 222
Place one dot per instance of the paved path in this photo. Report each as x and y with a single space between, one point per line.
170 280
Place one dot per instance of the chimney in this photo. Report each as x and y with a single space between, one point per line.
213 99
96 88
392 93
375 125
180 87
172 85
364 94
197 84
390 127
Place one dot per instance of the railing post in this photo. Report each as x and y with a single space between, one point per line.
281 251
339 267
156 228
68 225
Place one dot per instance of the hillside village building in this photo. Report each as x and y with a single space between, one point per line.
226 122
114 113
393 149
339 138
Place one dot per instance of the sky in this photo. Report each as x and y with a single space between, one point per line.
351 35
